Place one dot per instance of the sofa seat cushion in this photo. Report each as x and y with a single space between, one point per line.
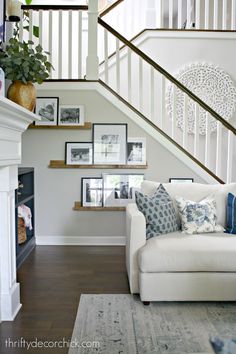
176 252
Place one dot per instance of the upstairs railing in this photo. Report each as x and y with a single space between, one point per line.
133 16
191 124
63 32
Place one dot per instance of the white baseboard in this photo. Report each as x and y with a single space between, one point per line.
80 240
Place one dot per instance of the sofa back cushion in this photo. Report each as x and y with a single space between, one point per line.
196 192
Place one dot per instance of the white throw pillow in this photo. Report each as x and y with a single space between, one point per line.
198 217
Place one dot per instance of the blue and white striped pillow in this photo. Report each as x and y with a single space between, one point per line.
231 214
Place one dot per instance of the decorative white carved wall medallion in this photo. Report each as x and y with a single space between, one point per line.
212 85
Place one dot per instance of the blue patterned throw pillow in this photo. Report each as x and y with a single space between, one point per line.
159 212
198 217
231 214
227 346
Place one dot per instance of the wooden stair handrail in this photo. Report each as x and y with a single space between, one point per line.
154 126
167 75
111 7
54 7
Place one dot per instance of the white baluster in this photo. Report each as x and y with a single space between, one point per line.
30 25
207 141
150 16
180 13
229 157
21 28
216 14
117 65
174 114
70 23
224 15
185 121
207 13
106 55
159 11
233 15
152 94
198 14
80 44
196 132
50 38
129 76
163 110
218 149
171 14
189 13
41 27
60 54
92 58
140 84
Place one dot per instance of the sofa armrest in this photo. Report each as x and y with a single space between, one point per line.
135 239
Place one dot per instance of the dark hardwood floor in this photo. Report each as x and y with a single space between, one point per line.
52 280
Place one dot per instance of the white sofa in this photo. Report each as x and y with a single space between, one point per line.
180 267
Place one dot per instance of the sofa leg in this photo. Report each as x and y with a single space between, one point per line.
146 303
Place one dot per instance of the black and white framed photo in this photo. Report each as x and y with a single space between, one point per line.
2 20
71 115
110 144
136 151
79 153
91 192
181 180
47 109
119 189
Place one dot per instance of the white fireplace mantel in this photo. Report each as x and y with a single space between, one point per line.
14 120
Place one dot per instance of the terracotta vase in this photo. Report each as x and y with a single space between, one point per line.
23 94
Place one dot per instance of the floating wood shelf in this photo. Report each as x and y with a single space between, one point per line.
61 164
86 126
78 207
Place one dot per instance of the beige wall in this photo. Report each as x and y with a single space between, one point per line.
56 190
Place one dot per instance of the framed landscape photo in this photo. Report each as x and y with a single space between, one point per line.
136 151
79 153
91 192
47 109
2 20
181 180
110 144
71 115
119 189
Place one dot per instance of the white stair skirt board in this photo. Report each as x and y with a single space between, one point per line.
80 241
134 117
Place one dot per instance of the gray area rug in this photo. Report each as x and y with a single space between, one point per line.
123 325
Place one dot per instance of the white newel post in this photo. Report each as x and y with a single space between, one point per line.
92 61
14 120
151 17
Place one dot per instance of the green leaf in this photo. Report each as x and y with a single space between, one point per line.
28 2
36 31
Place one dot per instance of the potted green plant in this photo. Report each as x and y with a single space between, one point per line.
24 65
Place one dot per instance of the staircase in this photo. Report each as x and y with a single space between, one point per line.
184 120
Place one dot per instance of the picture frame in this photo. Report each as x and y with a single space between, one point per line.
119 189
110 144
78 153
2 20
71 115
136 151
181 180
91 192
47 109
